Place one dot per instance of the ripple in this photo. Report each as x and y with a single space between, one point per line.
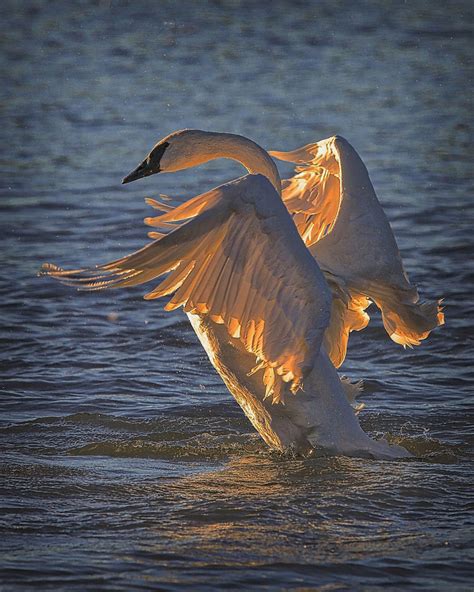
125 463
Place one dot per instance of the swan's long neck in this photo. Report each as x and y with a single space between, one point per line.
255 159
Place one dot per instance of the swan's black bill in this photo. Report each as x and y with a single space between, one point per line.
150 166
142 170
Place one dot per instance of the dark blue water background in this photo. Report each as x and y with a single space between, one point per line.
125 463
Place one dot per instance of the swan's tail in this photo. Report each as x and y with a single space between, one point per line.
353 390
406 320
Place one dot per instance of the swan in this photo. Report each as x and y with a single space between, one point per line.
244 267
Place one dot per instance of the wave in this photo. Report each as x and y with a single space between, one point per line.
207 432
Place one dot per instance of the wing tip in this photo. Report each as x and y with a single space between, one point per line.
48 269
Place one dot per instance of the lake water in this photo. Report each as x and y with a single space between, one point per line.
126 465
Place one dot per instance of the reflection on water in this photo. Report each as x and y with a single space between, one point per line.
125 464
191 497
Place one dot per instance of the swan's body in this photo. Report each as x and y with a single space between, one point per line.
256 296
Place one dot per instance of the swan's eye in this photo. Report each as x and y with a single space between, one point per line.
158 152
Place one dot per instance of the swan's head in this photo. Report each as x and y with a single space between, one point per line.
180 150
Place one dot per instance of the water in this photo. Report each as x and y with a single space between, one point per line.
125 463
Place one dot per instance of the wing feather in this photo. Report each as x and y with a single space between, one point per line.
340 219
234 255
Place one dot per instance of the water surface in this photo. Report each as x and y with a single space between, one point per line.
125 463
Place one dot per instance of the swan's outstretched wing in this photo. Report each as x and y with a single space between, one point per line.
339 217
233 254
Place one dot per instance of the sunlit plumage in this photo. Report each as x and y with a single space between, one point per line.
341 221
247 271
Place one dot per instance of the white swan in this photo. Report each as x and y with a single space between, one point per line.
254 294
